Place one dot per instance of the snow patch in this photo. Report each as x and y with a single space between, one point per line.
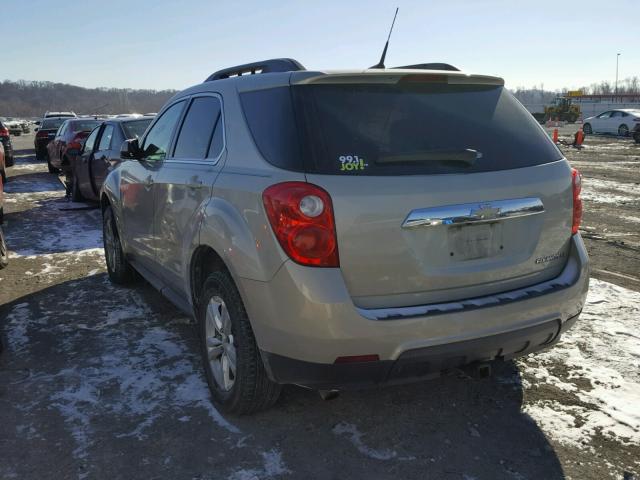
273 466
355 437
598 361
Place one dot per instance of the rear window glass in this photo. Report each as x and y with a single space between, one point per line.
51 123
135 129
410 129
271 119
84 125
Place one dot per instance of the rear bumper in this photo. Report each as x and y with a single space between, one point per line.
417 364
303 319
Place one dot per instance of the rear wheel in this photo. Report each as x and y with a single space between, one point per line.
623 130
50 167
4 252
119 269
76 195
235 373
586 129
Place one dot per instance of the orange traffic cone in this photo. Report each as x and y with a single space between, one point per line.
555 135
579 138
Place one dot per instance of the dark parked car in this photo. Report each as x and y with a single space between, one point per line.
4 254
100 153
3 166
46 133
68 142
5 139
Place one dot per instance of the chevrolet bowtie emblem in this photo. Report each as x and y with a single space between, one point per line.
485 212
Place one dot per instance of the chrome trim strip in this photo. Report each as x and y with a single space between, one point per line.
566 279
467 213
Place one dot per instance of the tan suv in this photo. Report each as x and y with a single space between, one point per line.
348 229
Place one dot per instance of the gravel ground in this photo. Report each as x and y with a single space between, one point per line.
100 381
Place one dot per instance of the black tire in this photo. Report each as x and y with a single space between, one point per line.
4 252
3 174
76 195
252 390
586 129
623 130
51 168
119 269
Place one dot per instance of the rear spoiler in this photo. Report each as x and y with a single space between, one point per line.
394 76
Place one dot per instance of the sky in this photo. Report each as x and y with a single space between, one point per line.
170 44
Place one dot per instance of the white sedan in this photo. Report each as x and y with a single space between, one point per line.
619 122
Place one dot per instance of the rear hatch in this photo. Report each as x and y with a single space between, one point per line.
444 187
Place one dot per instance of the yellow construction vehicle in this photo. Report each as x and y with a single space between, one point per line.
562 110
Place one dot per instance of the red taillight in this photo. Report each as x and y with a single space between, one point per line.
4 132
301 216
576 180
357 359
42 134
76 145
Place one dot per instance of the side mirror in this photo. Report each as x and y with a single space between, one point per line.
130 149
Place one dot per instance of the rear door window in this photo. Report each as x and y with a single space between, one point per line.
196 133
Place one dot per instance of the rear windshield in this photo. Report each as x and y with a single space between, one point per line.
135 129
400 129
84 125
51 123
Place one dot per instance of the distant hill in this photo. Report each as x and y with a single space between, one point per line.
32 99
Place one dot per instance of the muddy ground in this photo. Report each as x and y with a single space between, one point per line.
99 381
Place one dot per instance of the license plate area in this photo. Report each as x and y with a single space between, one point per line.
471 242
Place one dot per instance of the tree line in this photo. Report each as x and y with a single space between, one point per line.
32 98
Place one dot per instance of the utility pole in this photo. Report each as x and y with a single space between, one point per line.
617 58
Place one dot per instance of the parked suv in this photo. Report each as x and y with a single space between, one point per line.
341 230
46 132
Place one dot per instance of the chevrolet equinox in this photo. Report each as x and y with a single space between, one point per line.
348 229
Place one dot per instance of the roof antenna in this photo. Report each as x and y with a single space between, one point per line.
380 64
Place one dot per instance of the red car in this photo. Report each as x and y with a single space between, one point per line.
4 253
3 165
68 141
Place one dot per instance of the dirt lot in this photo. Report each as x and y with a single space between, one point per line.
100 381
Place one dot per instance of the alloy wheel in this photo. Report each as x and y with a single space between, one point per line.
221 351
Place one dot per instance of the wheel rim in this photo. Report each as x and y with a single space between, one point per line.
587 128
623 130
109 243
221 351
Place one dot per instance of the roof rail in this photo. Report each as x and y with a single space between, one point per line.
265 66
431 66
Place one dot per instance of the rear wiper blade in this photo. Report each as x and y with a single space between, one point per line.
463 155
